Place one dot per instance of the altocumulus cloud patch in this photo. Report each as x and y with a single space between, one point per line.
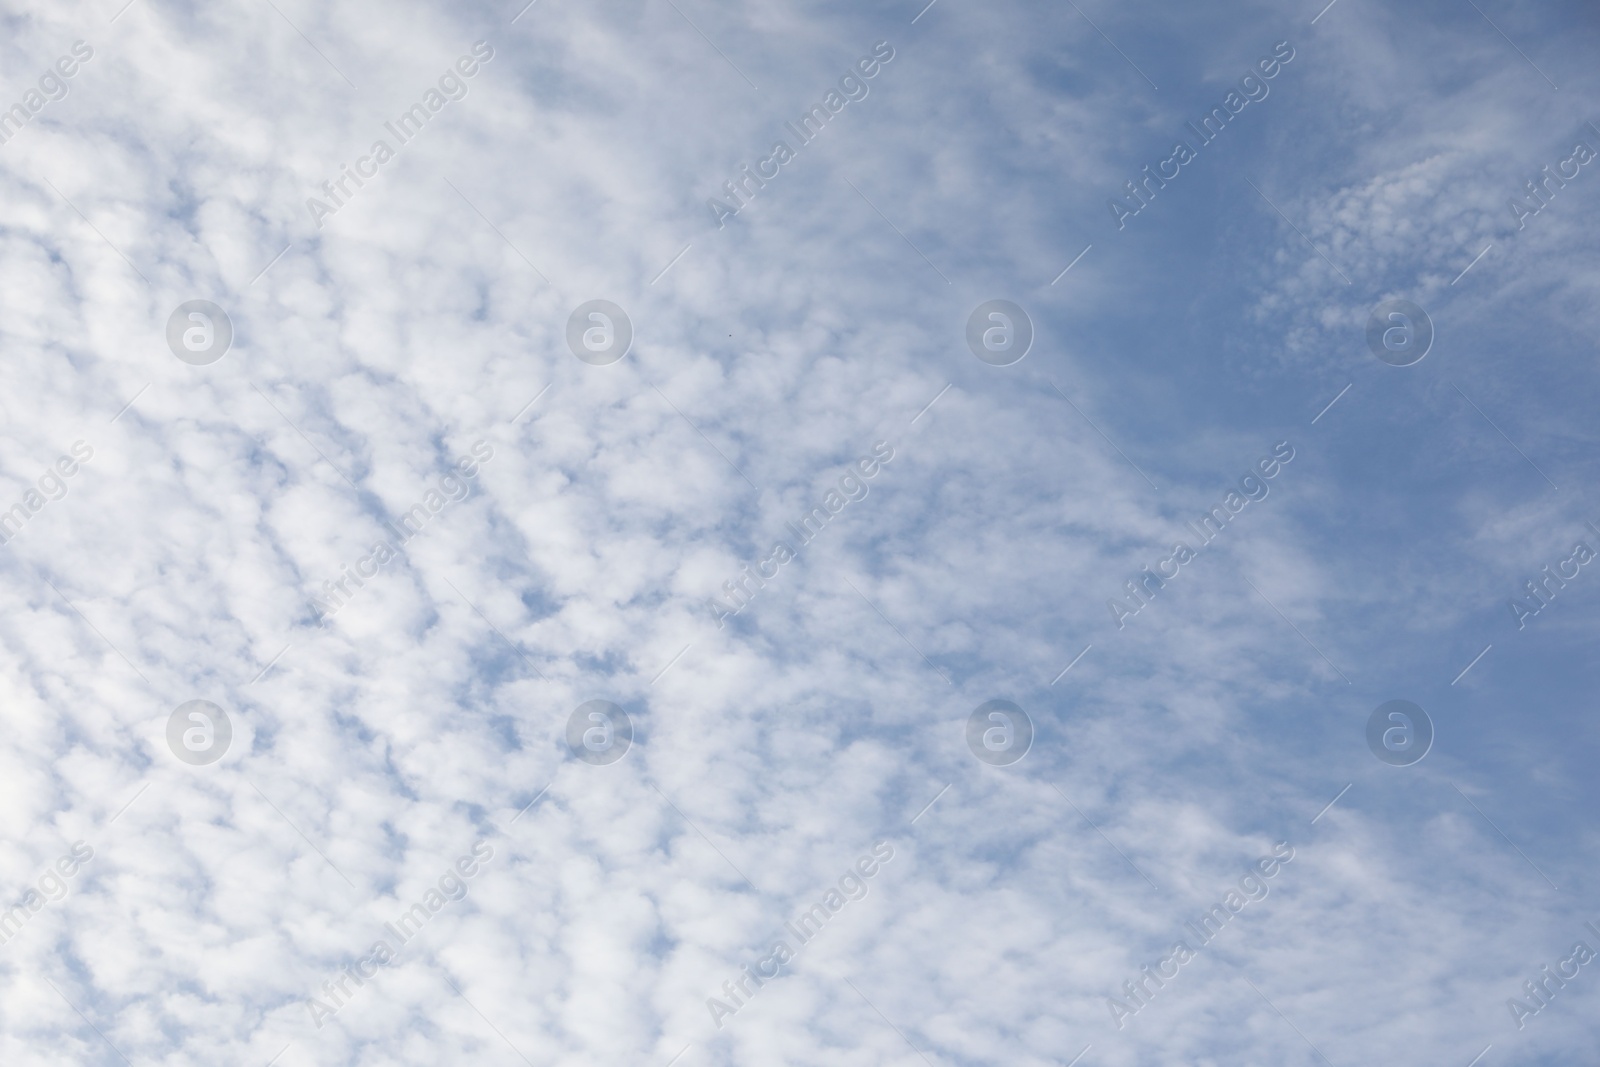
1110 585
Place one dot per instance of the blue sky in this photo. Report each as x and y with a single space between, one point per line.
429 315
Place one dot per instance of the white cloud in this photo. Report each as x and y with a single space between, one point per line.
369 753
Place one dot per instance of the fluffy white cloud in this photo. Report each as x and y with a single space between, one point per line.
184 558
